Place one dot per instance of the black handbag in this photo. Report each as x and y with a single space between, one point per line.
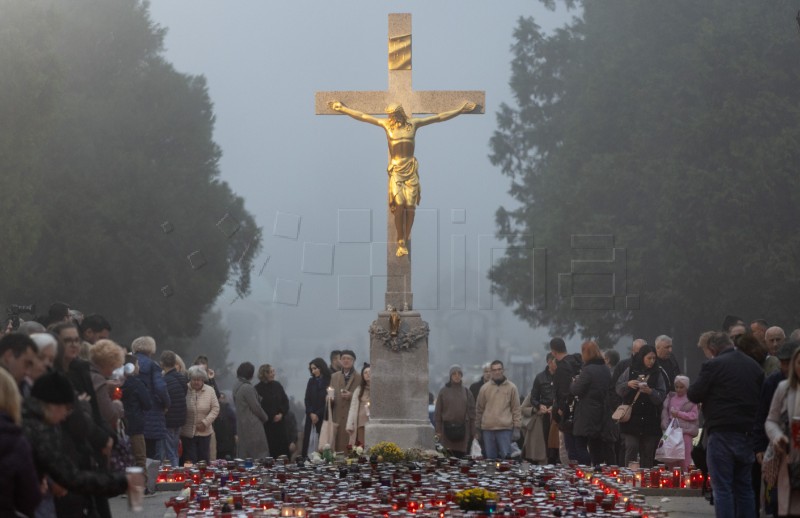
455 431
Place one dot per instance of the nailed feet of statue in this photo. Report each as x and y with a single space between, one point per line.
401 248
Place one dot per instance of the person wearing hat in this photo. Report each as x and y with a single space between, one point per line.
454 417
343 384
52 400
760 439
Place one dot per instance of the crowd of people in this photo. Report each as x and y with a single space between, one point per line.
76 409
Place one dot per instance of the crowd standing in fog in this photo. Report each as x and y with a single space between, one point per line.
76 409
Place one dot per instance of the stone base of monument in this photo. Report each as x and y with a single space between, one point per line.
399 383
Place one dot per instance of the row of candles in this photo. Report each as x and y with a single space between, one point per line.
278 488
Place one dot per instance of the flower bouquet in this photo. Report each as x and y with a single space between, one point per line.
387 452
474 499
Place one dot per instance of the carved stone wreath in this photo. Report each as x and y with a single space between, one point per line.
405 340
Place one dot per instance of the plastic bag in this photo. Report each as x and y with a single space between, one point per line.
313 439
475 449
671 448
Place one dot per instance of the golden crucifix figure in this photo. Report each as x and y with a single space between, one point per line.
403 169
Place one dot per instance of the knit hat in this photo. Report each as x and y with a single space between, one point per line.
349 353
55 388
684 380
456 368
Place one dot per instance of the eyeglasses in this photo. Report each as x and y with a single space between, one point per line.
71 340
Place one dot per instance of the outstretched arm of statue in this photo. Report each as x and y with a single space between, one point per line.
441 117
361 116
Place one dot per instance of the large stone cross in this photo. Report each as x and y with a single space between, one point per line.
400 91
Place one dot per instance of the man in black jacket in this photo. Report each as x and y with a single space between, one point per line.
542 401
567 367
728 386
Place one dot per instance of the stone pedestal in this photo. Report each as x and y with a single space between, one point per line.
399 385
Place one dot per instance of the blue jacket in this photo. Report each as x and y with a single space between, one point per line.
177 386
150 373
135 400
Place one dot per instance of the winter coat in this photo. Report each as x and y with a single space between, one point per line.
274 401
784 406
316 390
542 391
177 387
358 416
784 402
498 405
455 404
225 431
202 406
250 417
80 377
566 369
135 400
728 386
19 484
590 388
110 410
341 406
688 415
646 413
51 458
150 373
534 447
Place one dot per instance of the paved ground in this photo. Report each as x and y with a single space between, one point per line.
682 506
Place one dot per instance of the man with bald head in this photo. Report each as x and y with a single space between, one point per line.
775 337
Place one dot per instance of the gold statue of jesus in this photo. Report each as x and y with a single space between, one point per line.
404 190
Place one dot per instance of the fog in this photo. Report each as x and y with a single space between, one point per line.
317 184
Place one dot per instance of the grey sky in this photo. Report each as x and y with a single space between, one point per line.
263 61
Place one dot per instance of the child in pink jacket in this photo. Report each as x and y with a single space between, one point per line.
677 405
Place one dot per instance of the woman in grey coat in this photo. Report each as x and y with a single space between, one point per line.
454 416
250 417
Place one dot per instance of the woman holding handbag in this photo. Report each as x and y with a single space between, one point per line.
316 392
642 386
454 416
785 408
358 415
677 406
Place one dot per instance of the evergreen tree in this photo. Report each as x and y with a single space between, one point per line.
112 198
673 127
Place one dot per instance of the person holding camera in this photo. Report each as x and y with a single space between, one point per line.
642 386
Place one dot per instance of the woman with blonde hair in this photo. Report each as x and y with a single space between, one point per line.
19 485
590 387
105 357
